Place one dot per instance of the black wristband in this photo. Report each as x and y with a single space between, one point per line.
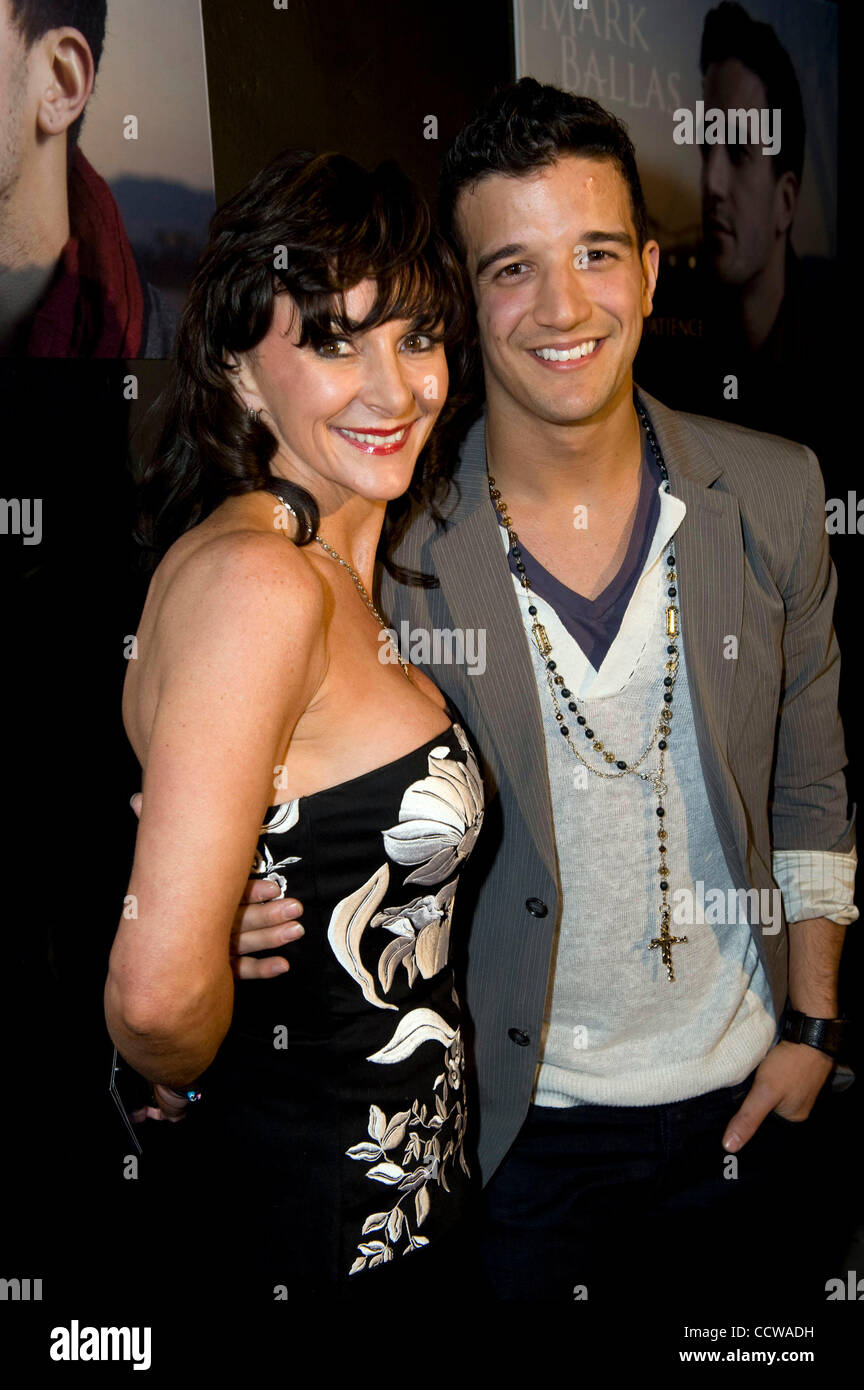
828 1035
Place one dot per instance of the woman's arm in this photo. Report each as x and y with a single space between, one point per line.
241 654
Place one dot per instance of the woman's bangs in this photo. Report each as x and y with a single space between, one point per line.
416 292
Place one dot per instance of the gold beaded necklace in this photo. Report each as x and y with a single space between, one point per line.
659 738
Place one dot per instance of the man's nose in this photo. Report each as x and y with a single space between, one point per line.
714 174
562 300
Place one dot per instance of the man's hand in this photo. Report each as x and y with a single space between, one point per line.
262 922
788 1081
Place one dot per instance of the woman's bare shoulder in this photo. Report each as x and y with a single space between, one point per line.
233 563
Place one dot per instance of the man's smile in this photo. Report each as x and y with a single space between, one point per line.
567 355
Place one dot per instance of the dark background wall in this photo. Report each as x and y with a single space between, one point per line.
343 75
350 77
324 74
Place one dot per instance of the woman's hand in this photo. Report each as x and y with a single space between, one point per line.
170 1105
263 921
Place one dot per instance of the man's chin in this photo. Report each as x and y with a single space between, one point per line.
575 407
725 269
571 413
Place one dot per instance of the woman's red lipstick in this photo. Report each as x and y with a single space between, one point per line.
364 439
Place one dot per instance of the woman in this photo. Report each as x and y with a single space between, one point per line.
311 367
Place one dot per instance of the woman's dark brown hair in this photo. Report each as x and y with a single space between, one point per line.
313 226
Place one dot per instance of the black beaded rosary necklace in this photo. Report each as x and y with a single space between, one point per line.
660 737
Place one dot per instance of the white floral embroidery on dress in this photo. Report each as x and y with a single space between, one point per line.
348 921
264 865
439 820
440 816
428 1146
422 931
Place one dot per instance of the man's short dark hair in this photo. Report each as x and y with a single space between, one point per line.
526 126
729 32
33 18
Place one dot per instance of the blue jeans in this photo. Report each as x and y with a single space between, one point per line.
601 1201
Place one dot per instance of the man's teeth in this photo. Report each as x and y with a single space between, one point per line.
568 354
376 438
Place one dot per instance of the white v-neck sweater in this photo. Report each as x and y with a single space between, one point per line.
617 1031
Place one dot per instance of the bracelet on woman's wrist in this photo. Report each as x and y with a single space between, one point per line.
189 1093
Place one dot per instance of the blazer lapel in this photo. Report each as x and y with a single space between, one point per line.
471 564
710 562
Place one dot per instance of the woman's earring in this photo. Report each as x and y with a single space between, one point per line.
253 416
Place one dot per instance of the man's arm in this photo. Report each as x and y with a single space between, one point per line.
815 948
809 799
808 813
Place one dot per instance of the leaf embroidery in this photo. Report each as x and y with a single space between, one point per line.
402 949
285 818
348 921
439 820
424 1149
417 1027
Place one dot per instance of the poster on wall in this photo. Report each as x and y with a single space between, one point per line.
106 178
732 110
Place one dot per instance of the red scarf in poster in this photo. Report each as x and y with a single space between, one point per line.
95 306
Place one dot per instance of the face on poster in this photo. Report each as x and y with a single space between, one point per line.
106 175
642 62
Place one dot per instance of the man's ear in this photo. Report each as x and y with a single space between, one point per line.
66 73
650 272
786 201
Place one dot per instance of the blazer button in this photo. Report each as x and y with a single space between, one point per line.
536 907
516 1035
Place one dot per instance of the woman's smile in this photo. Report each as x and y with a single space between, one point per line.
375 441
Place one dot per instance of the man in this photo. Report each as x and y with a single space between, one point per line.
69 284
760 306
621 1029
749 200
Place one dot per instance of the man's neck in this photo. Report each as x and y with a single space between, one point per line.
545 464
759 300
34 228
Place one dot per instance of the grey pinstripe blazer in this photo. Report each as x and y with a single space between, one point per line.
754 564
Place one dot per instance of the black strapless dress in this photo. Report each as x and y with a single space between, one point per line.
335 1108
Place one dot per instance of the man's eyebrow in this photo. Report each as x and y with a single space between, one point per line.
518 248
515 248
621 238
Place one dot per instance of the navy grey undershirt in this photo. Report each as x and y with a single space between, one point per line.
594 623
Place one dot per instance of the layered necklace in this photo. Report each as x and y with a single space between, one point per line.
608 760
